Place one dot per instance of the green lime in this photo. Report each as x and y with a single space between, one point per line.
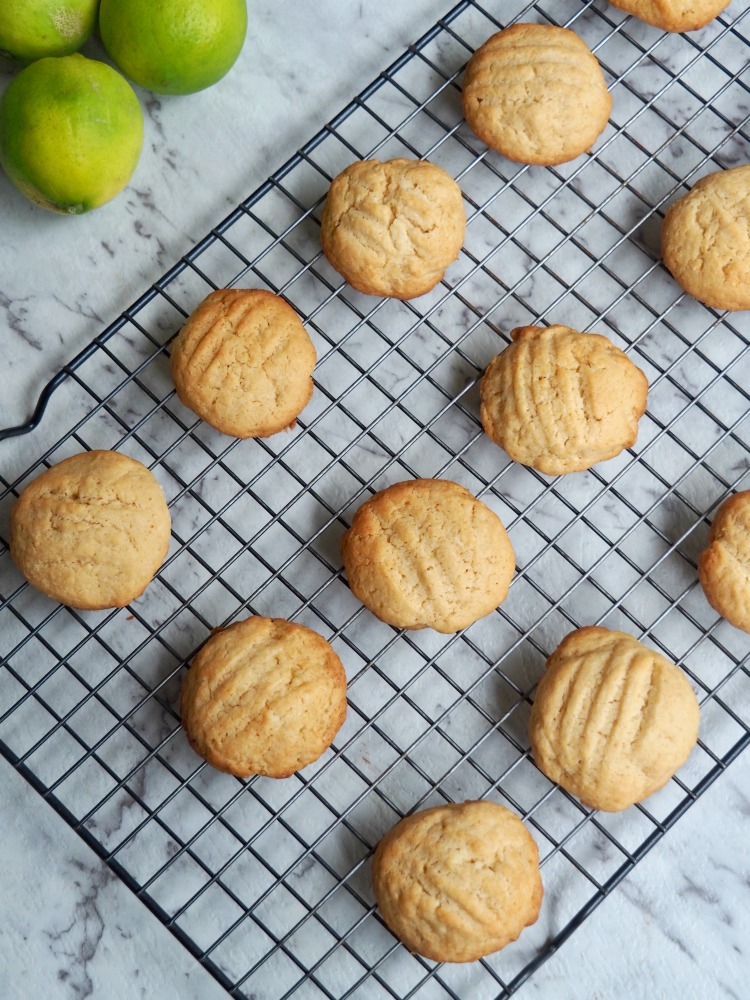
32 29
173 46
71 131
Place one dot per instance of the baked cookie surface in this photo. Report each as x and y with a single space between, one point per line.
392 228
706 239
263 696
560 401
612 720
457 882
427 554
536 94
724 565
673 15
91 531
243 362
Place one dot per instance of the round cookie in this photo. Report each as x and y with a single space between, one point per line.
724 565
536 94
263 696
393 228
706 241
428 554
457 882
243 362
673 15
612 720
91 531
561 401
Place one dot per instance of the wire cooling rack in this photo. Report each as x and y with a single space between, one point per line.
265 881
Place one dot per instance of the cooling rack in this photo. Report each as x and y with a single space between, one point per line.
266 882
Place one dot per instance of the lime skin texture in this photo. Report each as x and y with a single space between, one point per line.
33 29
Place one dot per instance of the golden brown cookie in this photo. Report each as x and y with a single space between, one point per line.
92 531
428 554
393 228
561 401
706 239
243 362
536 94
724 565
457 882
612 720
263 696
673 15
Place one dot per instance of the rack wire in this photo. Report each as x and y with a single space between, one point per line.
266 882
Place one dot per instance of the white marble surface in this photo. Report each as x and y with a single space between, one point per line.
678 925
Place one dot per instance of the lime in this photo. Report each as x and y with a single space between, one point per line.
71 131
32 29
173 46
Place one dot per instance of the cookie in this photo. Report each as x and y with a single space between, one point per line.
393 228
561 401
536 94
243 363
91 531
428 554
724 565
457 882
673 15
612 720
263 696
706 239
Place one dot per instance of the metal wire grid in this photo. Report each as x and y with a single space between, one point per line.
266 882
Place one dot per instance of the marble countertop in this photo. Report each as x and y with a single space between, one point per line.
677 926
